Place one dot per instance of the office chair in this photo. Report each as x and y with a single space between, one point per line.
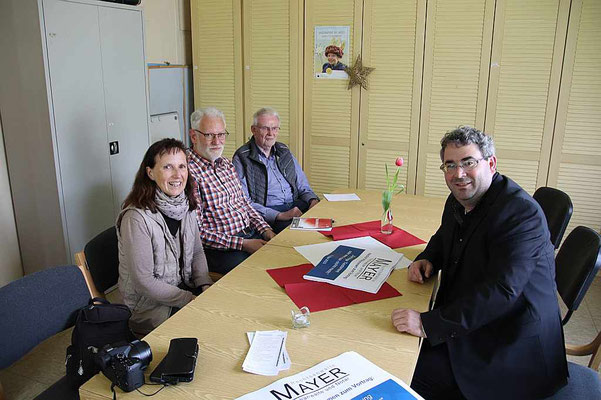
101 257
576 265
36 307
558 208
583 384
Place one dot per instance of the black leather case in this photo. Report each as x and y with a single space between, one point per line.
179 363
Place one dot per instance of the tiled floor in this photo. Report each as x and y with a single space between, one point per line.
45 364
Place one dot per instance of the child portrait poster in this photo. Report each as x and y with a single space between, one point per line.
331 64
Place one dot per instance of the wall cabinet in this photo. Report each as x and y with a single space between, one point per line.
525 71
75 120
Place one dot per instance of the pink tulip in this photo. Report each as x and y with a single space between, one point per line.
399 162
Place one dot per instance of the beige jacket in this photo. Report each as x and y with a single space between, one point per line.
149 270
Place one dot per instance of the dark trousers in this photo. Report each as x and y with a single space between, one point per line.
223 261
433 378
279 226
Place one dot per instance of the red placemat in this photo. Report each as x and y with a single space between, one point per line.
320 296
397 239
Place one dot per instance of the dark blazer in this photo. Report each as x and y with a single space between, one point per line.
497 308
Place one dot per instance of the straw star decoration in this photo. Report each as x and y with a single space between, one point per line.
357 74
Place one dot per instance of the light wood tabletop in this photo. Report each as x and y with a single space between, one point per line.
247 299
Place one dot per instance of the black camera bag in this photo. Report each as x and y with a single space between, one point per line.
98 324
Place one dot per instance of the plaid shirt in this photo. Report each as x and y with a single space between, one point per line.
222 210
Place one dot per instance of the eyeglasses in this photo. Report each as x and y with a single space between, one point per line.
220 136
466 165
274 129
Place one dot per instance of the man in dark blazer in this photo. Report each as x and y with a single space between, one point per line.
495 330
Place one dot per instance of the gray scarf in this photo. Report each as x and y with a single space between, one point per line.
173 207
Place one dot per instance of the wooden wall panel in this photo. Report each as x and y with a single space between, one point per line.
375 172
389 111
271 63
457 53
217 71
331 111
575 157
527 53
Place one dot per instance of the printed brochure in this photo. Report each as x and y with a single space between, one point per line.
346 377
355 268
311 224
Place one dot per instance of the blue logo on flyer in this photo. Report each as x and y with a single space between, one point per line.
334 264
387 390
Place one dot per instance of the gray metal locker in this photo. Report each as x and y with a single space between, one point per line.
78 85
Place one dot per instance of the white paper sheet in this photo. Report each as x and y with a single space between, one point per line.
341 197
284 361
265 351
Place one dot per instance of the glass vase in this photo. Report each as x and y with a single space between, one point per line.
386 222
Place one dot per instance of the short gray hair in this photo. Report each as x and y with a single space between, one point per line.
465 135
265 111
199 114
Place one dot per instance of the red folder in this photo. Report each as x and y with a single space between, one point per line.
397 239
320 296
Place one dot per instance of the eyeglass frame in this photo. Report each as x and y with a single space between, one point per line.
268 129
462 164
210 136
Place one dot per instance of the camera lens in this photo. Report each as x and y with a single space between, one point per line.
141 351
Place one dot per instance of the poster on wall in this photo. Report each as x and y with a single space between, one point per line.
331 51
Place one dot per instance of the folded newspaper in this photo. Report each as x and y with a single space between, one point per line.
355 268
349 376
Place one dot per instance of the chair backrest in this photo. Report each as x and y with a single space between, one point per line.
558 208
576 265
38 306
102 258
80 260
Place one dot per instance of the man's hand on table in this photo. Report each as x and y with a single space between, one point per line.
418 270
313 203
288 215
409 321
252 245
268 235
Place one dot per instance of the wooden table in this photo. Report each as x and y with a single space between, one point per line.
247 299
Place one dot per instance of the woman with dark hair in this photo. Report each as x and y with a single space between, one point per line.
162 265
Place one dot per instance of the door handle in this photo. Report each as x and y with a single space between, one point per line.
114 148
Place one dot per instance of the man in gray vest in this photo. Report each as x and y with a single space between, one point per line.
270 175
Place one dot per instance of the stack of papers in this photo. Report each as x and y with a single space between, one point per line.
311 224
314 253
267 354
355 268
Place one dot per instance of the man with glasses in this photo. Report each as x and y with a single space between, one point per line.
230 228
270 175
495 329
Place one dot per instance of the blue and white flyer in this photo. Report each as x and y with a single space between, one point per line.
349 376
356 268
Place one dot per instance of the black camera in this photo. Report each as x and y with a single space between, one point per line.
124 363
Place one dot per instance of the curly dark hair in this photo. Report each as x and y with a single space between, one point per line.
333 49
464 135
143 189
